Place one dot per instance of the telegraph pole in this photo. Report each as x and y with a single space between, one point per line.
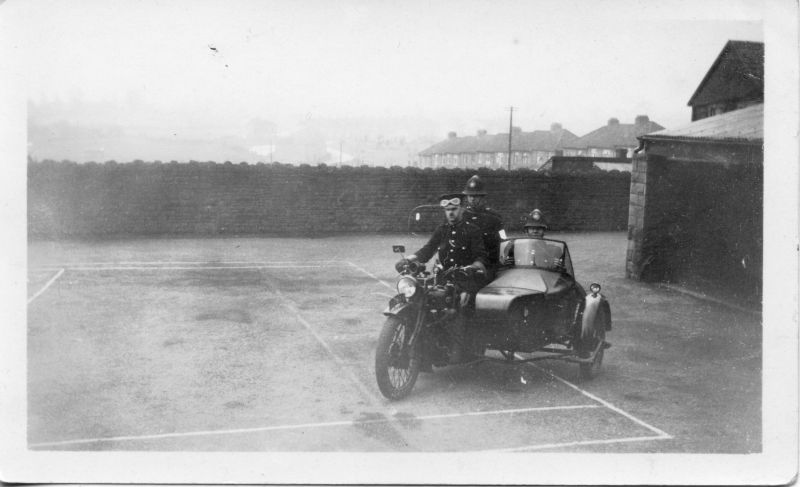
510 129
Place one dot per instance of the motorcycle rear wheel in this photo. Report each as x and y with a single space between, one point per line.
396 364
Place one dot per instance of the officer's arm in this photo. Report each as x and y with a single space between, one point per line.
479 250
426 252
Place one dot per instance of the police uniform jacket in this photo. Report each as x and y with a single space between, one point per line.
458 244
490 224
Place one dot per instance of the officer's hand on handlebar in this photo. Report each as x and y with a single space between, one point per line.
407 264
473 270
465 272
401 265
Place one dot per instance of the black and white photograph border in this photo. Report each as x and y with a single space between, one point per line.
777 463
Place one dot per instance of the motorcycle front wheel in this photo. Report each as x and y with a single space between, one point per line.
396 364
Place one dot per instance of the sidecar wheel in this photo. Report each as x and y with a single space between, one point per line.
396 364
588 344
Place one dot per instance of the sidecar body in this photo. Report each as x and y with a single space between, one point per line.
535 304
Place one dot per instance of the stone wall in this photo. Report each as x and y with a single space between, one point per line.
68 200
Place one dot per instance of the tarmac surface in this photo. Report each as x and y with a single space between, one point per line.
260 344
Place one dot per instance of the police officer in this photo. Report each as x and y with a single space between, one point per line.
535 226
457 242
490 222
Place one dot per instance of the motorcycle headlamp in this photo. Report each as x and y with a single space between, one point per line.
407 286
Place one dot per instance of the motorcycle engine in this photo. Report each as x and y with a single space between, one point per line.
440 297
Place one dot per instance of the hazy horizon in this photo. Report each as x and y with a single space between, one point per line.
206 69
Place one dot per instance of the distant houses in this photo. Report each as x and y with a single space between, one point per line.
528 149
542 149
734 81
614 139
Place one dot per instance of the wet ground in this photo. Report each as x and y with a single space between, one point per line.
250 344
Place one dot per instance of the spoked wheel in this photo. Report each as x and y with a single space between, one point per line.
396 364
590 339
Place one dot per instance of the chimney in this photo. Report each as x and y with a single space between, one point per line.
555 127
451 135
516 130
642 120
481 132
613 121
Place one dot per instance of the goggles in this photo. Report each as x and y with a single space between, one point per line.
453 201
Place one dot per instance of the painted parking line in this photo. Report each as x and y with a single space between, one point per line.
289 304
547 446
368 273
328 424
661 434
49 283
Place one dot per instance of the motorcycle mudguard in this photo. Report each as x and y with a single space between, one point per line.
594 305
400 310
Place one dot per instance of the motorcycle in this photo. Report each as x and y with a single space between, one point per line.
533 306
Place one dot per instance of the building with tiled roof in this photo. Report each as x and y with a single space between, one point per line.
612 140
735 80
528 149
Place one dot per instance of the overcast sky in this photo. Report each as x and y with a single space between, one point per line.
460 64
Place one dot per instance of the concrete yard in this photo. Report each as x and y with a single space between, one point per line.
264 344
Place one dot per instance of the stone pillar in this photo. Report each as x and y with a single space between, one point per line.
636 211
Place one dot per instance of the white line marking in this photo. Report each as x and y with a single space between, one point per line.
383 294
51 281
576 443
605 403
289 304
293 308
371 275
161 268
309 425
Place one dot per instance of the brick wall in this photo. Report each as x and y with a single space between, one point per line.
94 200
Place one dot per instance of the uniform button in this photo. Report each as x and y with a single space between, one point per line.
454 232
463 248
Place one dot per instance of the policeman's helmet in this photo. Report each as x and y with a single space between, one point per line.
535 220
474 187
